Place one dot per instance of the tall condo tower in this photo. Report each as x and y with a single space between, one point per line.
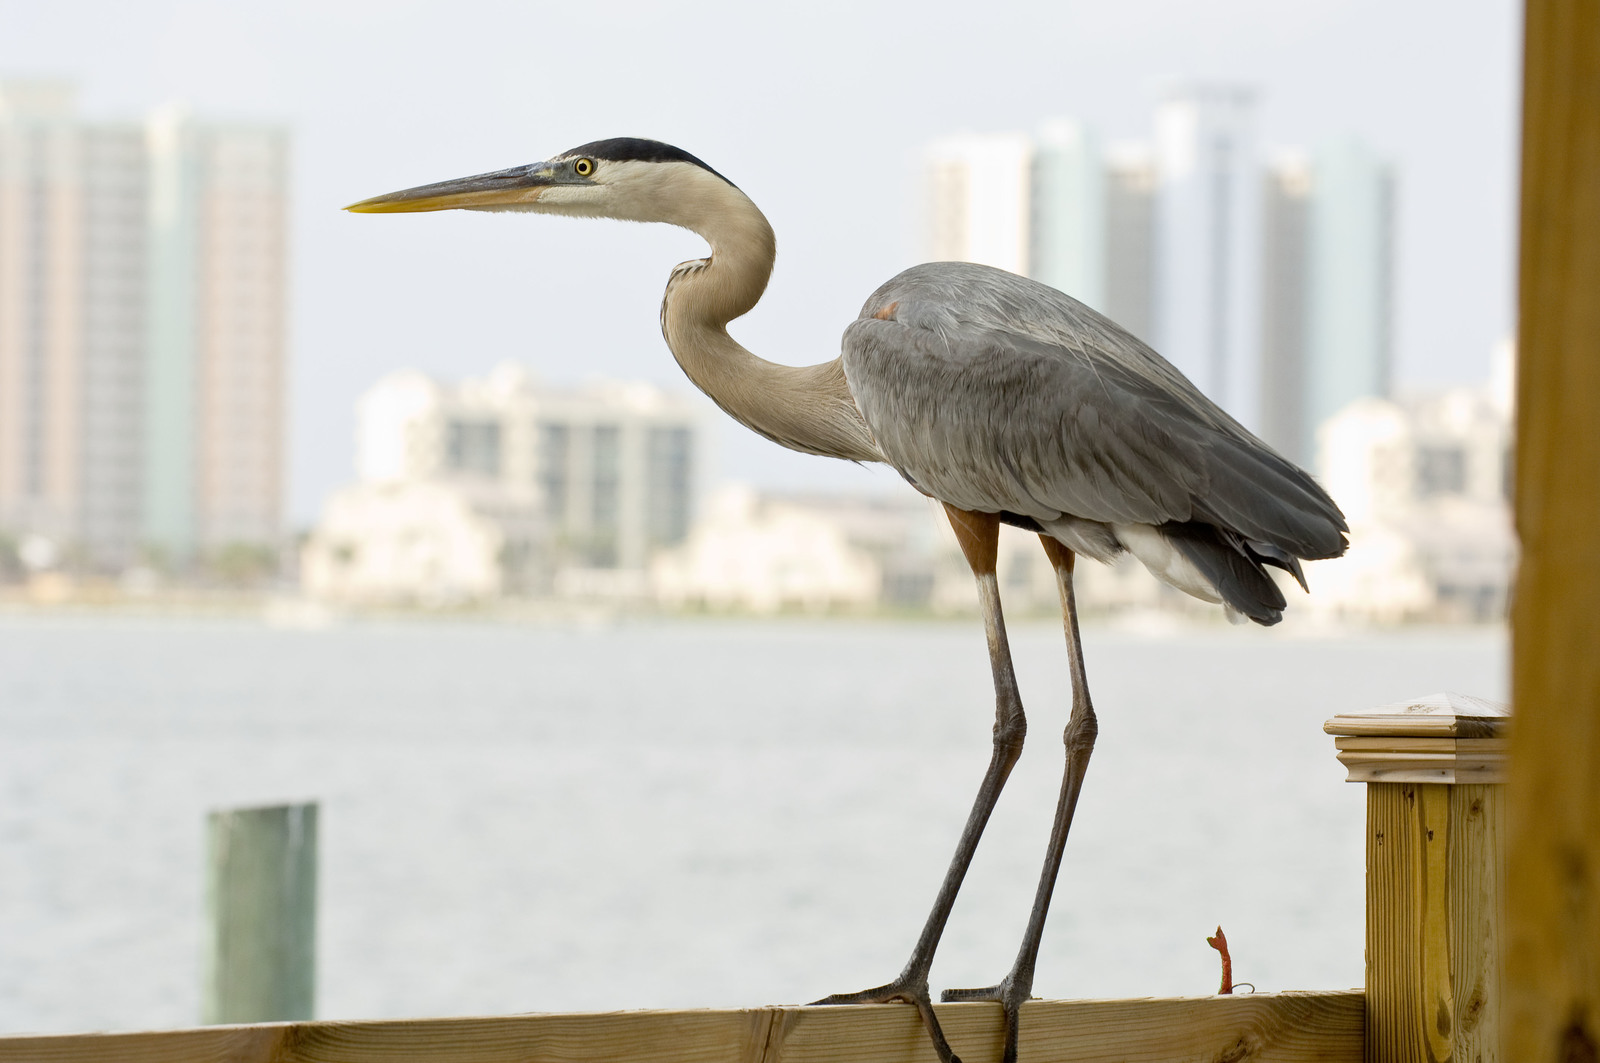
1328 283
1285 204
1207 242
1268 282
214 398
72 320
980 199
1350 281
1067 230
142 347
1130 184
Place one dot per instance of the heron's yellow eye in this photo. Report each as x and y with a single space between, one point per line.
583 167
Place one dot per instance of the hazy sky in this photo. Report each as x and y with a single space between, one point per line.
817 110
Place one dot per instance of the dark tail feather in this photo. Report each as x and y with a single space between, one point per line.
1268 554
1234 567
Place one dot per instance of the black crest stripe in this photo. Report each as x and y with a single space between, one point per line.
637 149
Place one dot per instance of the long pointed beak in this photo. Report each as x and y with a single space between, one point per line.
503 188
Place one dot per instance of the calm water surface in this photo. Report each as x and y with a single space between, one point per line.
672 814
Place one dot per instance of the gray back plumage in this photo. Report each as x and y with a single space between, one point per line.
996 393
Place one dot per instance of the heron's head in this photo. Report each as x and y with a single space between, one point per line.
626 178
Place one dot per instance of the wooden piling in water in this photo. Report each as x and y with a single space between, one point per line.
261 915
1435 874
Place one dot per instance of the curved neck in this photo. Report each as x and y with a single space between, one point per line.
807 408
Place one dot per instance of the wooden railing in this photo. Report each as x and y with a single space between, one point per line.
1433 769
1262 1028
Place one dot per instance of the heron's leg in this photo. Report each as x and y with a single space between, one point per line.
978 534
1080 734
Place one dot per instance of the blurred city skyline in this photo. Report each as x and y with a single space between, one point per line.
819 113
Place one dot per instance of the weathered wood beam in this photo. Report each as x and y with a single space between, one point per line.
1552 968
1261 1028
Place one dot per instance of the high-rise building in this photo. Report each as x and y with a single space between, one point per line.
218 268
1054 207
1285 199
1045 206
979 199
1268 284
142 347
72 319
1327 251
1350 281
1067 231
1207 225
1130 252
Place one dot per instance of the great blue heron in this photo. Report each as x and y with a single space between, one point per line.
1005 400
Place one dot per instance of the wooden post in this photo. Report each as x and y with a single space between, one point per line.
261 900
1553 822
1435 874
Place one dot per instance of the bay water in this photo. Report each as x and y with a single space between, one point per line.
680 813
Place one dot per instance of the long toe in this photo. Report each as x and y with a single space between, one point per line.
1010 999
894 992
915 993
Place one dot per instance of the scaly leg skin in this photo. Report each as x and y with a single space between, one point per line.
978 534
1080 734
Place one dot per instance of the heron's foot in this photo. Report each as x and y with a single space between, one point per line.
909 991
1010 994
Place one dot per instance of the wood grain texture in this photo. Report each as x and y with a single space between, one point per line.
1440 738
1428 760
1434 897
1552 972
1398 897
1443 715
1261 1028
1477 870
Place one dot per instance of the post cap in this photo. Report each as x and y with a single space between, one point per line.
1439 738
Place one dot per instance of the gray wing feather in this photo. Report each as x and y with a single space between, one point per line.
993 392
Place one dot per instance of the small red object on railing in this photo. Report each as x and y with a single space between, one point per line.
1220 943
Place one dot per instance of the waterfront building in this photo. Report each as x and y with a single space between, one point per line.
1328 287
581 481
420 543
979 200
217 337
1130 251
1349 281
72 321
766 555
1068 199
1267 283
142 341
1285 202
1207 301
1425 482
